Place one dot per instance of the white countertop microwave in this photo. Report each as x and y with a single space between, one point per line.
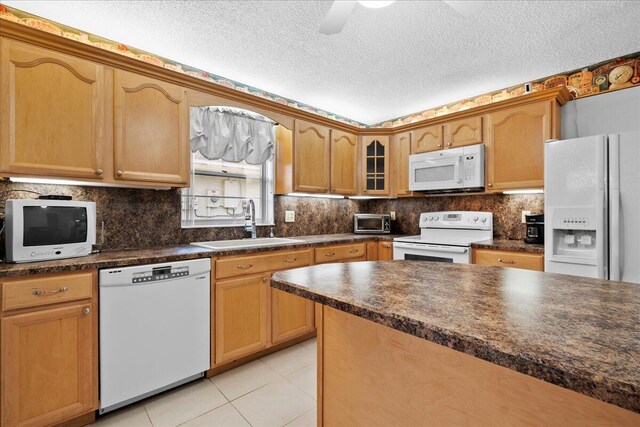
448 171
38 230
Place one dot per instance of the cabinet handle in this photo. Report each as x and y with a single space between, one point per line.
120 173
245 266
99 171
506 261
290 259
86 311
329 254
40 293
353 251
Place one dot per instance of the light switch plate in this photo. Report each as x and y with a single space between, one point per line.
524 219
392 215
289 216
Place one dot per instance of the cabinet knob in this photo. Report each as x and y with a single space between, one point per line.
86 311
120 173
264 280
439 145
449 144
490 185
99 171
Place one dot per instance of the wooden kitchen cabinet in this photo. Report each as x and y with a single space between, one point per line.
249 316
344 163
339 253
459 133
430 138
498 258
311 158
241 316
385 251
376 166
292 316
49 358
515 145
151 134
400 151
52 113
372 251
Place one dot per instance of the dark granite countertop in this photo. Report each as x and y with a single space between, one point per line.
579 333
122 258
510 245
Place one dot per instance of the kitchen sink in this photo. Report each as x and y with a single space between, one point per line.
246 243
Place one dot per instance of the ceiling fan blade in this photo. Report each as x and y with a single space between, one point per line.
337 17
466 8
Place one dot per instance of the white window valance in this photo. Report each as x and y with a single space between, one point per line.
231 134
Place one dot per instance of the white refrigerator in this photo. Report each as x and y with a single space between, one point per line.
592 206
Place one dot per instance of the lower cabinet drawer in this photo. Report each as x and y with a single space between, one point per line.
510 259
340 252
46 289
252 264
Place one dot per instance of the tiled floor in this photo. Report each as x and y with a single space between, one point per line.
277 390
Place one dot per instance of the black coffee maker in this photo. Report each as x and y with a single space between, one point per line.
535 228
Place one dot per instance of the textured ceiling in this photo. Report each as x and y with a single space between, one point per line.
407 57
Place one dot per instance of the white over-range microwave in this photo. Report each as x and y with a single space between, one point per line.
40 229
448 171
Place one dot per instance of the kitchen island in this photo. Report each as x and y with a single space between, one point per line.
420 343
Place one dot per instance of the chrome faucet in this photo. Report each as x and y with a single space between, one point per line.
250 218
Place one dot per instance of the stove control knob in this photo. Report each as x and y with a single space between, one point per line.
437 217
430 218
475 218
484 220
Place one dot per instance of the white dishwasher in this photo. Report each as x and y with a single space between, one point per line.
154 329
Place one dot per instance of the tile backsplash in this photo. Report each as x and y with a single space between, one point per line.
506 209
137 218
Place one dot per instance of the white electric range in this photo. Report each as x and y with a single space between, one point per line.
445 237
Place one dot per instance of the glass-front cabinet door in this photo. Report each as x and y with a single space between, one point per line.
376 165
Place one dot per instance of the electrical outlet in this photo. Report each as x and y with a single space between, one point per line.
524 219
392 215
289 216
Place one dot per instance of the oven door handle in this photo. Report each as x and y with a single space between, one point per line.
432 248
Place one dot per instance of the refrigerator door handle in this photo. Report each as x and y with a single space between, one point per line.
614 235
614 208
602 223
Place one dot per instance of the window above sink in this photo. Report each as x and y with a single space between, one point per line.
220 190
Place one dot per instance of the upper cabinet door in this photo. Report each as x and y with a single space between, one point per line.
463 132
376 164
151 141
52 113
311 158
344 163
515 146
427 139
401 152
